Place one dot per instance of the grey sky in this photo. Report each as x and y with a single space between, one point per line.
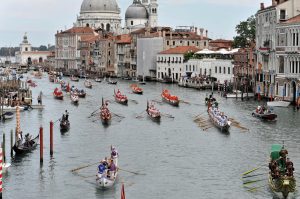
42 18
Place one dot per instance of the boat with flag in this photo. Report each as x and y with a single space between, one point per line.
22 146
58 94
281 176
219 119
153 112
105 114
88 84
121 99
108 170
170 99
136 89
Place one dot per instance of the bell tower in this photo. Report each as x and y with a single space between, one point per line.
25 45
153 16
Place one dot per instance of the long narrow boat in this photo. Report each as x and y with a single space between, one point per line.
88 84
74 98
136 89
81 93
105 114
170 99
153 112
27 146
64 125
281 175
12 109
107 176
264 114
109 81
219 119
58 94
121 99
8 115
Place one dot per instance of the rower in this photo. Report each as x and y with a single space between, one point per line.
67 115
112 167
113 152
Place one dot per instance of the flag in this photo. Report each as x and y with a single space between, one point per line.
123 192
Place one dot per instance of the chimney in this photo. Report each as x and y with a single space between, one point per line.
201 32
274 2
206 33
262 6
159 32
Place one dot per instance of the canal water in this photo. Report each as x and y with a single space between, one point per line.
175 159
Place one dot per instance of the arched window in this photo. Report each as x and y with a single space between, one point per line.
108 27
102 26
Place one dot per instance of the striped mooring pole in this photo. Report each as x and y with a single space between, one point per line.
1 166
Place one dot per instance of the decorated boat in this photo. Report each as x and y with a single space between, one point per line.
23 146
136 89
58 94
153 112
170 99
88 84
108 171
219 119
264 113
74 79
278 102
105 114
281 176
122 99
74 98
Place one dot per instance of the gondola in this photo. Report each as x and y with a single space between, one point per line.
170 99
136 89
104 181
26 146
281 176
121 99
264 114
105 114
220 120
88 84
153 112
64 125
58 94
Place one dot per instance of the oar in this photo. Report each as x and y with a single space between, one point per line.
79 168
94 112
252 170
134 101
118 115
253 181
182 101
56 120
136 173
255 188
254 175
168 115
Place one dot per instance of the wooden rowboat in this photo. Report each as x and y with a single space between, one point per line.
153 112
88 84
136 89
26 146
121 99
170 99
58 94
219 119
264 114
64 125
105 114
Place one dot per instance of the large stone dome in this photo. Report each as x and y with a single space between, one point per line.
91 6
136 11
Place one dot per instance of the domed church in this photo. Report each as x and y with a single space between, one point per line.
104 14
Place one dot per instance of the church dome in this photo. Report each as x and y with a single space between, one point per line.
136 11
90 6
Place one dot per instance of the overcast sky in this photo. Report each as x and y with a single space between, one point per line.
42 18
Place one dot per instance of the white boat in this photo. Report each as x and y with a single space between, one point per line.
74 98
238 94
8 115
102 180
88 84
12 109
278 102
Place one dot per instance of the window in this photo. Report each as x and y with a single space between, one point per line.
281 64
186 67
205 43
228 70
168 43
224 70
216 69
193 68
173 43
282 14
188 43
220 70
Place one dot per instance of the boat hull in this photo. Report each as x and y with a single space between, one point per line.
267 117
64 126
105 183
19 150
278 104
171 102
283 185
223 128
121 101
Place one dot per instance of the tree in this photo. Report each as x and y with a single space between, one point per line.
245 33
42 48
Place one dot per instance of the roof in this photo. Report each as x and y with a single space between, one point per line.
88 38
99 6
295 19
78 30
180 50
123 39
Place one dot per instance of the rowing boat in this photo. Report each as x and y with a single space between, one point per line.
121 99
170 99
136 89
105 114
153 112
264 114
88 84
58 94
27 146
219 119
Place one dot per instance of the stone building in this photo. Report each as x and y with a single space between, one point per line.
123 44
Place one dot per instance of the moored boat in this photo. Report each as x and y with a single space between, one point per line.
8 115
136 89
108 171
12 109
264 113
105 114
238 94
278 102
121 99
170 99
88 84
218 118
153 112
58 94
281 175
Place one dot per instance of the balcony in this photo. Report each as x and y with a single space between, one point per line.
288 49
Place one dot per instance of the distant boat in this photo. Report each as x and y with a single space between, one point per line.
121 99
264 113
170 99
136 89
153 112
278 102
105 114
238 94
219 119
8 115
88 84
58 94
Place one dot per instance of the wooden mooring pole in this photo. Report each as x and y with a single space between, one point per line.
41 145
51 138
3 148
11 143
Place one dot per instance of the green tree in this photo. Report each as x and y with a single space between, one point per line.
245 33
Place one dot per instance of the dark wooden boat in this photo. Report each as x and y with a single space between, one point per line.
81 94
105 114
218 119
170 99
281 175
26 146
64 125
121 99
58 94
136 89
264 114
153 112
